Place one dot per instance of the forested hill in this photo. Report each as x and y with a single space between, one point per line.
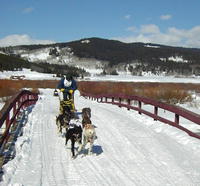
136 57
16 63
118 52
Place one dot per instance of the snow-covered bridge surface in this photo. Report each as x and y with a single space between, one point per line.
130 150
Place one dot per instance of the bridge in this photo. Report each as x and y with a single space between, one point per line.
132 148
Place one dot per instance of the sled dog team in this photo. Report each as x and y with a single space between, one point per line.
83 135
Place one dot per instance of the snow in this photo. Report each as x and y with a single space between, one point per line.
85 41
146 78
94 72
29 75
95 76
43 55
38 55
1 105
131 150
177 59
152 46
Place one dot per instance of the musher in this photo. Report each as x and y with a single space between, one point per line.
67 86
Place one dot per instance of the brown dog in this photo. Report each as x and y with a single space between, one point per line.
86 115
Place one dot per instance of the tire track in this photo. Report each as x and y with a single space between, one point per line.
118 130
54 170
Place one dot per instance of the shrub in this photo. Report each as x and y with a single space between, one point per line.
166 92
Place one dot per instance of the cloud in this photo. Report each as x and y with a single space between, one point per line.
145 29
13 40
172 36
165 17
150 29
132 29
127 16
27 10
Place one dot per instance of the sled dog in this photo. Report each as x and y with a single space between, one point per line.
62 120
88 136
86 115
74 134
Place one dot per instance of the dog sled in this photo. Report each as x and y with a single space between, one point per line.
55 93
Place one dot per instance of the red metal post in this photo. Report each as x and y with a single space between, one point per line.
140 106
120 100
14 111
155 112
129 103
177 119
113 99
7 120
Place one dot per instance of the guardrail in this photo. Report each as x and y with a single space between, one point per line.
125 101
10 111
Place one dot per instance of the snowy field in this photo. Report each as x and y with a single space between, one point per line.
131 150
147 78
32 75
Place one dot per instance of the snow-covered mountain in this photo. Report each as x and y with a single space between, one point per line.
47 54
113 57
60 56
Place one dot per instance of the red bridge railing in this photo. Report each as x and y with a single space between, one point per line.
10 111
126 101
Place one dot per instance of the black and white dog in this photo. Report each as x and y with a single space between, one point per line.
74 134
62 120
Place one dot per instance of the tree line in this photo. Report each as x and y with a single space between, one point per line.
12 63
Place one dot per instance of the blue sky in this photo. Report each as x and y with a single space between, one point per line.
170 22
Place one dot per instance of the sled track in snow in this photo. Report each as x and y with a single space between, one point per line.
125 101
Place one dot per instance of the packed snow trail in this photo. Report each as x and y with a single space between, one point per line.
131 150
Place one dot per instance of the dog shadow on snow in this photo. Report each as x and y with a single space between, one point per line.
97 149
